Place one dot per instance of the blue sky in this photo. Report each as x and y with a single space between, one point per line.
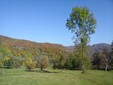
44 20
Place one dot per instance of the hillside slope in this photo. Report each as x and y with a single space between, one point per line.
34 47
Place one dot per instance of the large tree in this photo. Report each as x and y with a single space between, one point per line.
82 23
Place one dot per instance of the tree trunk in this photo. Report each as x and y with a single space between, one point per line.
106 64
106 68
83 66
41 68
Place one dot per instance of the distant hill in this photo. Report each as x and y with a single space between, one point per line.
24 48
26 43
33 47
100 47
95 47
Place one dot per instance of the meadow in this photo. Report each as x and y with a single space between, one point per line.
55 77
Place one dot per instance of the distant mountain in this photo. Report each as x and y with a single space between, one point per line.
95 47
100 47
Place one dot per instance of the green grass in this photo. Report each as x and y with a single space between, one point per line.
55 77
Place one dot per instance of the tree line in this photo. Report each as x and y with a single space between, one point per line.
100 60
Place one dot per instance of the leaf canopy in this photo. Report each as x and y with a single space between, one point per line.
82 23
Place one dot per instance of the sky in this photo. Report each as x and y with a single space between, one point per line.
44 20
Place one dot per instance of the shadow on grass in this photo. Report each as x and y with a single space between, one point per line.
41 71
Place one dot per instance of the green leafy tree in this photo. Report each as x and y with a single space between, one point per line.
5 54
29 64
82 23
1 60
72 62
96 61
17 61
61 62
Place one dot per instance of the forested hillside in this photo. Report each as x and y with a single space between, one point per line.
28 50
17 47
43 47
16 52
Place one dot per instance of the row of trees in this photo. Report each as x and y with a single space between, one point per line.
41 62
72 61
100 60
9 60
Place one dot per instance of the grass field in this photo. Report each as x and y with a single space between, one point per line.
55 77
